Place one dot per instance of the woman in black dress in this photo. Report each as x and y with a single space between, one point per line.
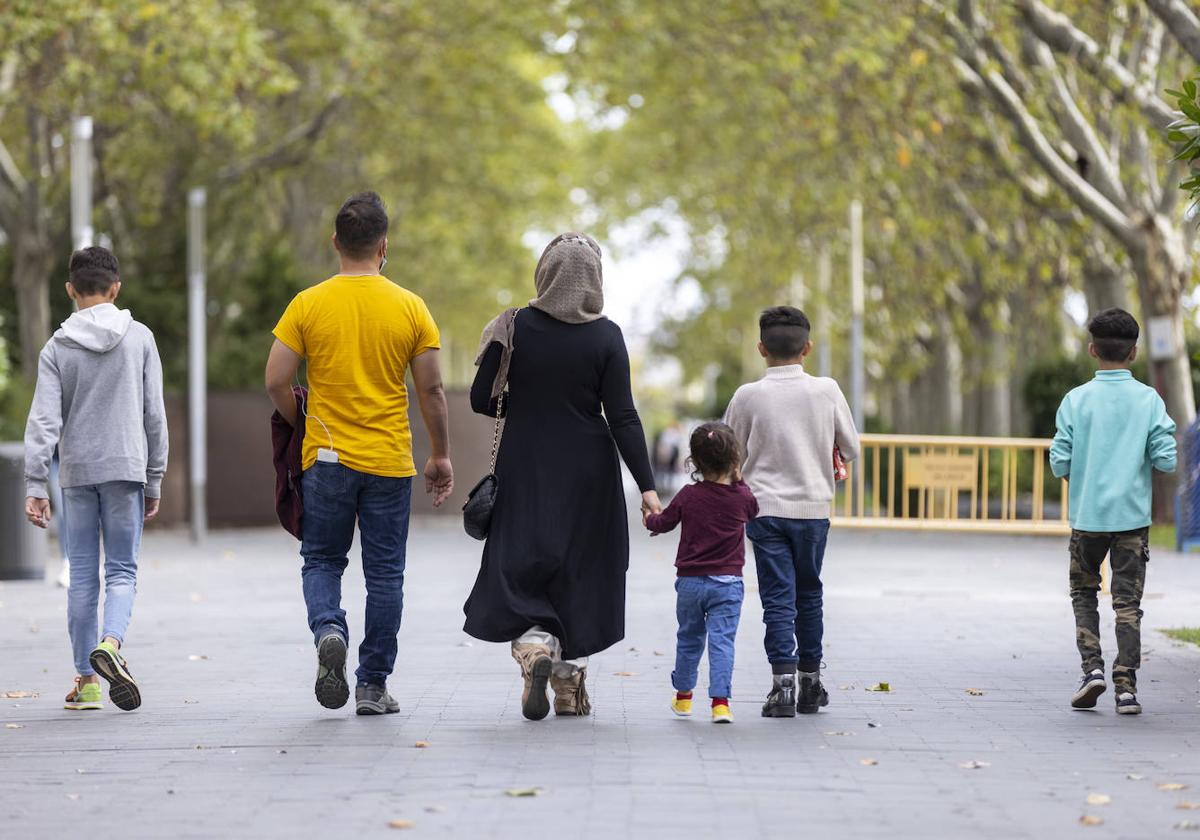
552 580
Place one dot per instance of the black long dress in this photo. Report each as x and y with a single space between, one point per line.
558 548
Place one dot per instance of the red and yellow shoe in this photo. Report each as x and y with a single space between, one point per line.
681 705
720 710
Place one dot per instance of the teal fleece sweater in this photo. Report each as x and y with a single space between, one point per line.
1111 433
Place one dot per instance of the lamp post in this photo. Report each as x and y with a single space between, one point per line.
197 365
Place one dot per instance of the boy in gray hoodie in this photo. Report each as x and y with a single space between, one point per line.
99 400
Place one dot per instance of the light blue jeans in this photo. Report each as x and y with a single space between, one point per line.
707 608
115 510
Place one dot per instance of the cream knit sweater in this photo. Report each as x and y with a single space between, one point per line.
788 423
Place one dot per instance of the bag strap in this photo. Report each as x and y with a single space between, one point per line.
500 413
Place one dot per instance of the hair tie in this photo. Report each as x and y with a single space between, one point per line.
710 434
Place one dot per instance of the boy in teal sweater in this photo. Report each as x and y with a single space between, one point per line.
1111 433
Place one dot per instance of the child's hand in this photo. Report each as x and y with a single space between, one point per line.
151 509
37 511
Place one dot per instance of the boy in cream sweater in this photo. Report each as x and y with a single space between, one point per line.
788 424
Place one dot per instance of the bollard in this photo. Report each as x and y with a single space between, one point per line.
23 547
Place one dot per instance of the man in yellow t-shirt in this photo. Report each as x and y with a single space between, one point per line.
360 333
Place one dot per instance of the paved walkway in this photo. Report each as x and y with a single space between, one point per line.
231 743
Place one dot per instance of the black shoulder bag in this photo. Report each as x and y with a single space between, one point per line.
477 512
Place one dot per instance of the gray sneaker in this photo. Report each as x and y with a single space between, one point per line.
375 700
331 688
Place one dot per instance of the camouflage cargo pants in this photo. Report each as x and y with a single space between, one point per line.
1128 553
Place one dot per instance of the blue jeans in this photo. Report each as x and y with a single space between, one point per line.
115 511
706 608
334 498
788 554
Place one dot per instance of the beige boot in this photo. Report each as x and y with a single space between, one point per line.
535 668
570 692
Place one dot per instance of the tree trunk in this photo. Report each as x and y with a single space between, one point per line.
946 381
995 410
33 260
1104 284
1162 267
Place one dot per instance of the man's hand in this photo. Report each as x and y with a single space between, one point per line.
439 479
151 509
37 511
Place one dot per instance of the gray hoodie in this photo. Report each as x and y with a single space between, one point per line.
99 399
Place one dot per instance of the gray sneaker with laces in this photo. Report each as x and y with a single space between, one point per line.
374 700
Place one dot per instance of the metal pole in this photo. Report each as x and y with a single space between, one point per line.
81 183
857 372
824 323
197 364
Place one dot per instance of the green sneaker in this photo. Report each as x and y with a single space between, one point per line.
122 688
84 697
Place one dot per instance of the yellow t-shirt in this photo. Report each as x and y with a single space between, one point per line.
359 335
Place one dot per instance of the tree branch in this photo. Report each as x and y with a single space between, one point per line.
288 150
1030 134
1080 133
1182 23
1063 36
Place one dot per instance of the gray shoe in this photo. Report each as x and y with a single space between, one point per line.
331 688
375 700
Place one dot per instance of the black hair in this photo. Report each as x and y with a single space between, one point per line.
714 451
93 270
361 223
1114 334
783 330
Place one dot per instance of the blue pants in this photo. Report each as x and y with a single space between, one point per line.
706 608
788 554
114 511
334 498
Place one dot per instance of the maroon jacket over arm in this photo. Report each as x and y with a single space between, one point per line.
287 442
714 518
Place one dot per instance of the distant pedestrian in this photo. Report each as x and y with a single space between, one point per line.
360 333
712 551
1112 433
552 580
788 425
99 399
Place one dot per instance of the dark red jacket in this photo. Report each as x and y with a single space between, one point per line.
288 444
714 518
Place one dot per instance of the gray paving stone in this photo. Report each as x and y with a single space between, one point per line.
234 745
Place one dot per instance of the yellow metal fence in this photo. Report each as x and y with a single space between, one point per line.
928 482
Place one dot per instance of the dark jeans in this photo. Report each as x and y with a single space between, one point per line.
334 497
788 554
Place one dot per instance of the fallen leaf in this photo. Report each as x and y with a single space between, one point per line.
20 695
624 674
465 644
1098 799
196 657
191 702
421 745
72 796
658 653
1134 777
873 725
633 650
1172 786
868 762
1188 825
401 824
435 809
975 692
881 687
228 555
848 687
283 752
196 597
975 765
1088 819
1188 806
14 726
533 791
839 733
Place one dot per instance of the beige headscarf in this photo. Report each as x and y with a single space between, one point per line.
569 280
